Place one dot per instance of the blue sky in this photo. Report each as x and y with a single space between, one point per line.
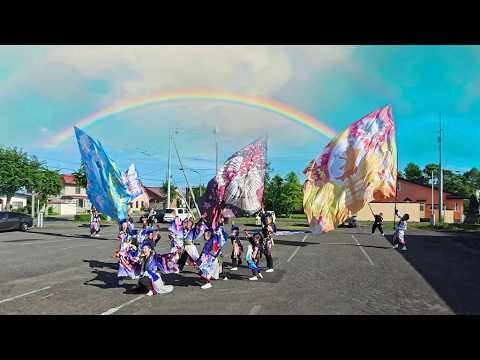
46 88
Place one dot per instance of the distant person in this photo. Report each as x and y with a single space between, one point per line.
94 223
378 222
267 231
399 235
253 254
237 248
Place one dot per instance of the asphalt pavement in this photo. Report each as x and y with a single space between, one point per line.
60 270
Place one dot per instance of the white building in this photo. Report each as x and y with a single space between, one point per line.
18 201
72 200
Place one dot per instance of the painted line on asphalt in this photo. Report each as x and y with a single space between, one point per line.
296 250
363 250
115 309
22 295
255 310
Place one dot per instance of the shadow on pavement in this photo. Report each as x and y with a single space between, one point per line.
68 236
179 280
88 225
450 265
362 245
100 264
293 243
108 279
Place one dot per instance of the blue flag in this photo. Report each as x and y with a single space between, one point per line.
105 189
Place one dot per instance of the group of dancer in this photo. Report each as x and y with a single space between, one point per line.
138 260
400 228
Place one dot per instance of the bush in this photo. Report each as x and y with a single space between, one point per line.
86 217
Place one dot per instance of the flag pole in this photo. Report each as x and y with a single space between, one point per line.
396 177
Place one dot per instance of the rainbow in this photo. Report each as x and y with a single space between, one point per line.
255 102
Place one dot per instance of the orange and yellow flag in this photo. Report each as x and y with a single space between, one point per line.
358 166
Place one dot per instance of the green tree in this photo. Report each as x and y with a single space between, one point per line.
414 173
47 183
16 170
81 176
293 190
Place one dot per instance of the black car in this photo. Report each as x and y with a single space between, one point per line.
159 214
15 221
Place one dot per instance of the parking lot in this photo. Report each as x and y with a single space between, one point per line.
60 270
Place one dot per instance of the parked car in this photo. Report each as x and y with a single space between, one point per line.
15 221
172 212
351 222
159 214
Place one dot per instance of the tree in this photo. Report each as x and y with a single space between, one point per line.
47 183
294 194
414 173
16 171
173 191
427 173
81 176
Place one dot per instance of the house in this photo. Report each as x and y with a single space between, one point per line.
416 200
17 202
152 197
72 200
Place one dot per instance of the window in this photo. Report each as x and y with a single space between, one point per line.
142 204
398 186
180 211
136 204
422 207
77 190
456 206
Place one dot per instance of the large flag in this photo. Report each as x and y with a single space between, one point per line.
105 189
131 182
356 167
238 185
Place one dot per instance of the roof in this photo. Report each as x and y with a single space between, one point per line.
69 179
154 192
449 194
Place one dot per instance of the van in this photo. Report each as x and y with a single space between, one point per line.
170 214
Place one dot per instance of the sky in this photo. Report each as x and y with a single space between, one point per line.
45 89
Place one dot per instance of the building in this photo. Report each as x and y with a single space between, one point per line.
72 200
17 202
152 197
416 200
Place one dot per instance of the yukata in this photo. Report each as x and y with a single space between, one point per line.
190 252
223 236
131 225
237 250
253 258
176 243
268 243
127 258
142 235
401 227
150 277
209 263
94 224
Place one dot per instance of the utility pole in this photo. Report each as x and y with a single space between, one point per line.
169 176
440 210
215 132
433 205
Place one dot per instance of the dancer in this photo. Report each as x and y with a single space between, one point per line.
267 231
237 248
378 224
253 254
127 256
399 235
94 223
208 262
150 279
223 236
190 252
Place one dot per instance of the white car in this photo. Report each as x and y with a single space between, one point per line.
172 212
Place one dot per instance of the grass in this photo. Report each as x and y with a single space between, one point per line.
295 223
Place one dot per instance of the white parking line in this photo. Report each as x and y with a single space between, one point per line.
363 250
22 295
296 250
255 310
115 309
